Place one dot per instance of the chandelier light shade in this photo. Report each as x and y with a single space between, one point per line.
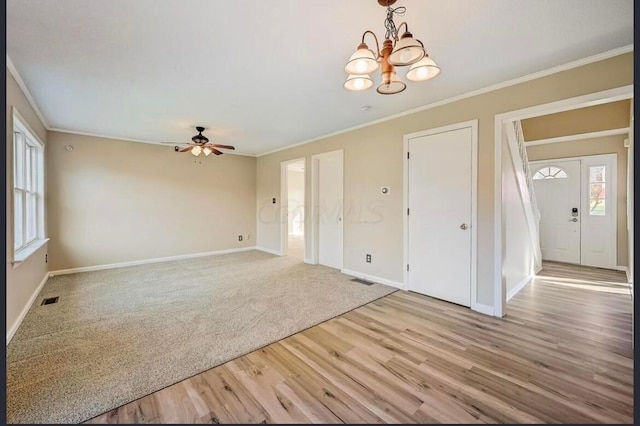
357 82
196 150
363 61
407 51
391 85
206 151
396 52
424 69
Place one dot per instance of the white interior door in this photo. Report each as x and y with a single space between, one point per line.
599 223
440 184
330 209
557 188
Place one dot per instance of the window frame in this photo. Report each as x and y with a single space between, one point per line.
602 182
28 187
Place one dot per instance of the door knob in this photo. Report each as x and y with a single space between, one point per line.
575 219
464 226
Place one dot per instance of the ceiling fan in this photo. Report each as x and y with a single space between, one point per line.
201 145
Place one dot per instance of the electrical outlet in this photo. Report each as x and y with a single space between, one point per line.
46 258
368 258
239 237
273 201
248 236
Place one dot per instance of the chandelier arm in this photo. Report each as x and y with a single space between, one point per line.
377 52
406 26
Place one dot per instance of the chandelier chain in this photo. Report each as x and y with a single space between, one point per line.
392 31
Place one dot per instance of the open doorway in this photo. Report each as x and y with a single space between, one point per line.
562 175
578 167
293 186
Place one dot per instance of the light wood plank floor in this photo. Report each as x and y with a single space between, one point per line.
562 354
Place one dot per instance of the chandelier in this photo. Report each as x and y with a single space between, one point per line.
397 51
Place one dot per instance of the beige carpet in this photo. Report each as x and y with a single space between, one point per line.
295 247
117 335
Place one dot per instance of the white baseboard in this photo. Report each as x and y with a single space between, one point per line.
518 287
483 309
624 269
25 309
373 279
147 261
537 271
266 250
309 261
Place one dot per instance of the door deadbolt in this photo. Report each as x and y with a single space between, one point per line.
464 226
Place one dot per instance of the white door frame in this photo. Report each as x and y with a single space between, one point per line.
313 216
613 185
284 203
597 98
474 202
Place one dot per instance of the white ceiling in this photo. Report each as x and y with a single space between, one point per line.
262 75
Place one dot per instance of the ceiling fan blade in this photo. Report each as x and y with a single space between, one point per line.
215 151
185 149
222 146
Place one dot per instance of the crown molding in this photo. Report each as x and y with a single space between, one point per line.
120 138
528 77
16 75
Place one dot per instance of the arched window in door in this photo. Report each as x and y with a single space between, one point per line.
550 172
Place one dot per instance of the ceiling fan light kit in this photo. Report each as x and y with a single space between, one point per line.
397 51
201 145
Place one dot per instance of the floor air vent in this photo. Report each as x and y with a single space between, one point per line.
49 301
361 281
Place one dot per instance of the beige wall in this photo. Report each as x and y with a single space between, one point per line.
115 201
595 146
612 115
23 280
373 158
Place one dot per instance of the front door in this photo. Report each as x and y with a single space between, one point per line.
557 188
440 213
577 203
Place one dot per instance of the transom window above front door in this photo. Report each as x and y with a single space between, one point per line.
550 172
